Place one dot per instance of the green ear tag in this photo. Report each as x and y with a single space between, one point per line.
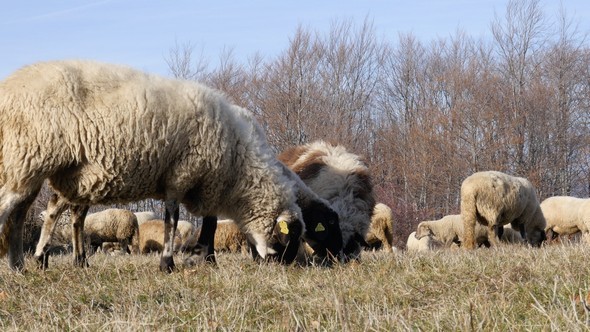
283 226
320 227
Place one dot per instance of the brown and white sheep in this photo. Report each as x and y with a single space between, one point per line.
495 199
380 234
566 215
110 134
343 179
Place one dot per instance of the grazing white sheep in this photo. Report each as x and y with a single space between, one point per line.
104 228
343 179
105 134
112 225
495 199
424 243
144 216
380 234
566 215
322 232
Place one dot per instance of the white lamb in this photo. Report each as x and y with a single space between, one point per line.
425 243
105 134
449 230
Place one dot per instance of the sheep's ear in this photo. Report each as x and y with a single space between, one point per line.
282 231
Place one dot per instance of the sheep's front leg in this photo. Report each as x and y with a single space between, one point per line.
170 223
495 234
78 215
55 207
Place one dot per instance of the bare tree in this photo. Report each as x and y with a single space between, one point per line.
183 64
519 38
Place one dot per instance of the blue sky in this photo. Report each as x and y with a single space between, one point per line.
140 33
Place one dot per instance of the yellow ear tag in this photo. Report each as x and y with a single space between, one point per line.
320 227
283 226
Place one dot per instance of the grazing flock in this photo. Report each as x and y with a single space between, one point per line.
111 134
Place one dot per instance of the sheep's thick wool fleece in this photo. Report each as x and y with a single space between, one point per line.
340 177
104 134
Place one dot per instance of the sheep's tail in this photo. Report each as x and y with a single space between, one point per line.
468 213
389 235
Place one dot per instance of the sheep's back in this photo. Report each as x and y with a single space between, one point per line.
126 131
111 225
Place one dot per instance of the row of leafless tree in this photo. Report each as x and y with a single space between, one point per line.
425 116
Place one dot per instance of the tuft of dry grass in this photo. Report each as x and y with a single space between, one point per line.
511 288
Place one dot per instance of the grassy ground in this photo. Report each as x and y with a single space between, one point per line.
505 289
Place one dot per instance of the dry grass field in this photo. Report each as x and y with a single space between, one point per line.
510 288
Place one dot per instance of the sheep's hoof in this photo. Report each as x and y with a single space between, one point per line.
211 259
80 263
42 261
198 259
167 264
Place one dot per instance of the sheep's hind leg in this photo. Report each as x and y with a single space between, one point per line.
78 215
204 250
16 257
13 211
55 207
170 222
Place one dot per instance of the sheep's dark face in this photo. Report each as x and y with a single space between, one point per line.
536 237
285 240
353 248
322 230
